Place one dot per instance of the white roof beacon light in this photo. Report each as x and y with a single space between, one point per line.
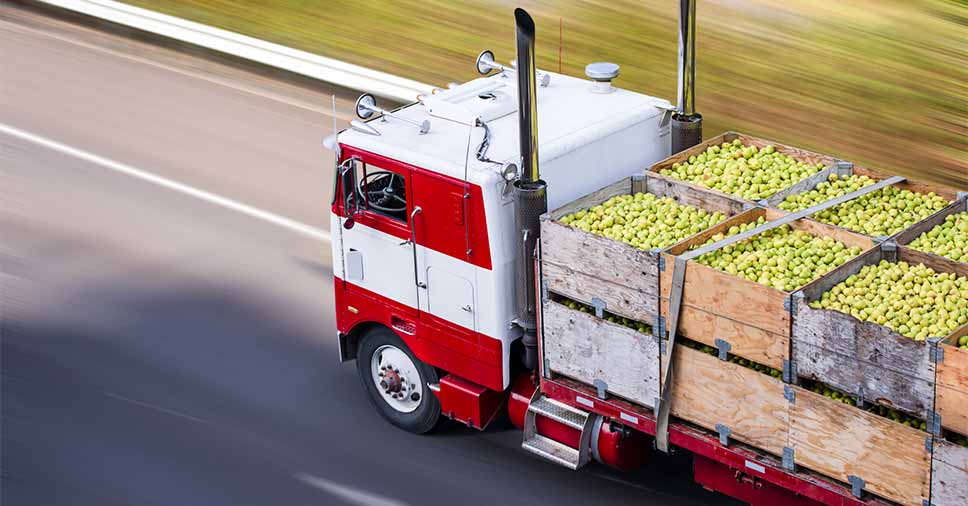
602 73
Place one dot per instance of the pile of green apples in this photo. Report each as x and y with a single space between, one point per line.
949 239
877 409
834 187
613 318
881 213
782 258
643 220
744 171
913 300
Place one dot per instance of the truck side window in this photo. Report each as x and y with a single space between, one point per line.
384 191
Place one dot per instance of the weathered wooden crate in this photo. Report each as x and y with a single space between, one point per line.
949 474
717 394
864 359
753 319
829 162
951 400
591 268
592 350
850 444
908 236
950 194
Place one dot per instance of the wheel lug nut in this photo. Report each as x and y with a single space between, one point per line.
415 397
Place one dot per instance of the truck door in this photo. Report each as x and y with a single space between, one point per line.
449 298
378 256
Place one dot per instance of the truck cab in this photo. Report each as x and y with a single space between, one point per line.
423 219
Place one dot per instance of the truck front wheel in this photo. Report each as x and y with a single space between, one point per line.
396 381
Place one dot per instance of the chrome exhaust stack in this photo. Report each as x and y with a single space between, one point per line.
530 191
686 122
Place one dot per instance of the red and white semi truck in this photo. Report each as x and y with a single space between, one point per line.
435 239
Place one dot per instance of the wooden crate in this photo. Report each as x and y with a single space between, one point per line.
861 358
800 154
951 401
753 318
840 441
949 194
908 236
949 474
708 392
589 349
585 266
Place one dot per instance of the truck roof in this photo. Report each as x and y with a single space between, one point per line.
570 115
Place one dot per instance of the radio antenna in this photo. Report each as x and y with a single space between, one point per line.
561 40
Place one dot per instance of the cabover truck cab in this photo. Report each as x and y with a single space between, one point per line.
435 225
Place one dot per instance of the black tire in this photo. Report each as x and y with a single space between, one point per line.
420 421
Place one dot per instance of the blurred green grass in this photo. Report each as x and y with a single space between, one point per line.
883 83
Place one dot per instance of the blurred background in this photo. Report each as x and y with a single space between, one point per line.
878 82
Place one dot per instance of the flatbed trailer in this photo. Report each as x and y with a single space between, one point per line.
462 293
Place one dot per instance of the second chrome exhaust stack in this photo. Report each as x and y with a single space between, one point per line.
686 122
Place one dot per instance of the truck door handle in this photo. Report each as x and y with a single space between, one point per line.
413 243
467 308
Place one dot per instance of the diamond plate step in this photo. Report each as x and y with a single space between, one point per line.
554 451
559 412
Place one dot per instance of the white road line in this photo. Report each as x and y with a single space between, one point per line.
214 80
348 494
154 408
212 198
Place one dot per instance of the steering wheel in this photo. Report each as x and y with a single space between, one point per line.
385 191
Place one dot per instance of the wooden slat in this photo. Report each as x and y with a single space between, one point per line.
952 400
586 348
640 304
840 440
721 228
949 194
949 476
745 341
709 391
702 198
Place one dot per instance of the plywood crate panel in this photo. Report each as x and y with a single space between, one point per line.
949 474
586 348
585 266
707 392
753 318
951 401
748 140
862 358
840 441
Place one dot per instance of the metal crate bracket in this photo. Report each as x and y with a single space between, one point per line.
599 306
790 394
788 462
724 433
856 485
601 389
723 346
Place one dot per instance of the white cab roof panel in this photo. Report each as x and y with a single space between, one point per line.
570 116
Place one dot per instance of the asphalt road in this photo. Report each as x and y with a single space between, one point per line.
162 345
